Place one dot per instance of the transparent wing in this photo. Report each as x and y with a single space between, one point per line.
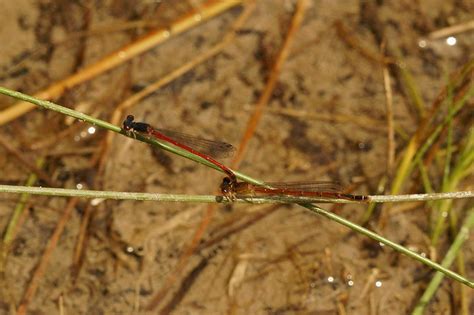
316 186
215 149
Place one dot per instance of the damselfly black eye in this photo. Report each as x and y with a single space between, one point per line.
128 122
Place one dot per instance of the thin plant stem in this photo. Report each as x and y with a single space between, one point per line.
118 195
395 246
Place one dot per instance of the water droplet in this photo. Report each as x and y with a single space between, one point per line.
96 201
378 283
330 279
79 186
451 40
91 130
422 43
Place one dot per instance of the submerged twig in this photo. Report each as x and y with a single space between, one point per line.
451 30
390 129
40 269
353 42
272 81
31 166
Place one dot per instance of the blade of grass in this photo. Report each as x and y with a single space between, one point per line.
460 297
420 151
13 223
413 90
428 187
436 212
382 185
409 160
462 236
463 168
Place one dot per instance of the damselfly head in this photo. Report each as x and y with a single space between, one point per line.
128 122
227 188
226 185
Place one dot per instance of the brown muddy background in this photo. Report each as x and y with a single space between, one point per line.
326 120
